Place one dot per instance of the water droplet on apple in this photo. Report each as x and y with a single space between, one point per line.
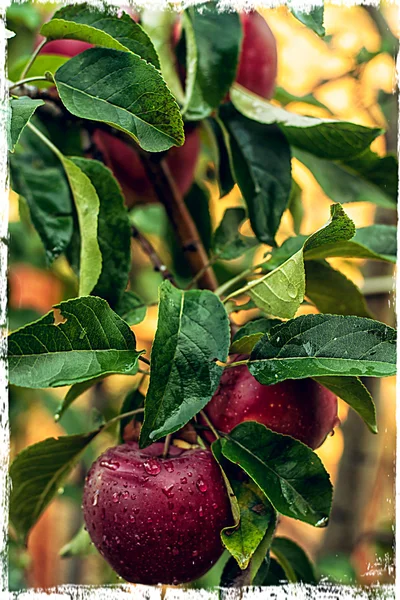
201 486
113 465
183 480
201 512
175 551
132 518
169 467
95 497
195 553
152 467
115 497
167 491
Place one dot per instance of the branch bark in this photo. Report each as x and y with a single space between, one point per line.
148 248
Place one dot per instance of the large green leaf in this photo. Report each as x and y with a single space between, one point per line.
87 205
332 292
290 555
354 392
288 472
21 111
325 138
114 232
319 345
213 38
192 332
341 183
91 340
262 169
228 243
312 18
247 336
47 194
281 291
37 473
101 28
137 102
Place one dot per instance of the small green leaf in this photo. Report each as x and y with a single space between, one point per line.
326 138
87 205
38 472
101 28
228 242
92 341
114 232
213 40
21 111
79 545
354 392
192 332
331 292
342 184
270 573
73 393
312 18
289 553
47 194
288 472
137 101
247 336
223 163
284 97
381 171
319 345
295 206
261 163
131 308
41 64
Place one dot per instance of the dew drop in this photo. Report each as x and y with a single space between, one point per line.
195 553
115 497
201 512
95 497
175 551
132 518
152 467
169 467
201 486
167 491
112 465
183 480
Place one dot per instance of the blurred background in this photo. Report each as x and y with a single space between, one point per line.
352 73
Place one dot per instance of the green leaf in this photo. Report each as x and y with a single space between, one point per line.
249 334
91 341
289 553
74 392
87 205
331 292
319 345
48 197
382 171
261 162
223 163
114 232
354 392
101 28
131 308
213 40
270 573
295 206
159 26
21 111
192 332
288 472
137 101
41 64
341 184
256 515
228 242
284 97
313 18
281 291
79 545
326 138
38 472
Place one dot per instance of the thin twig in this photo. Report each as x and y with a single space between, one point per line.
33 58
211 426
148 248
167 444
23 82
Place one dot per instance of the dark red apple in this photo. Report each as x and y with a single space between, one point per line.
156 520
301 408
258 61
65 47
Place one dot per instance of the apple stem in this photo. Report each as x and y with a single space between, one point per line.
211 426
167 444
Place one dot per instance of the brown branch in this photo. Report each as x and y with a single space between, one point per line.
181 219
148 248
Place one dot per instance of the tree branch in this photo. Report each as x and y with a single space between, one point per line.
147 247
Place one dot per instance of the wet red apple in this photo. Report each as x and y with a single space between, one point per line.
156 520
258 59
301 408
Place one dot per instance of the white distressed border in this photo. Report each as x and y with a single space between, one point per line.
126 591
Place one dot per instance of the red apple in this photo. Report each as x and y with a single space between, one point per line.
301 408
258 59
65 47
156 520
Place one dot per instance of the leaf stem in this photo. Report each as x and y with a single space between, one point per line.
238 363
131 413
200 274
33 58
228 284
211 426
167 444
27 80
45 140
145 360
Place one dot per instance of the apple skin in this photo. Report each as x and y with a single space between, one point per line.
258 63
156 520
65 47
301 408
